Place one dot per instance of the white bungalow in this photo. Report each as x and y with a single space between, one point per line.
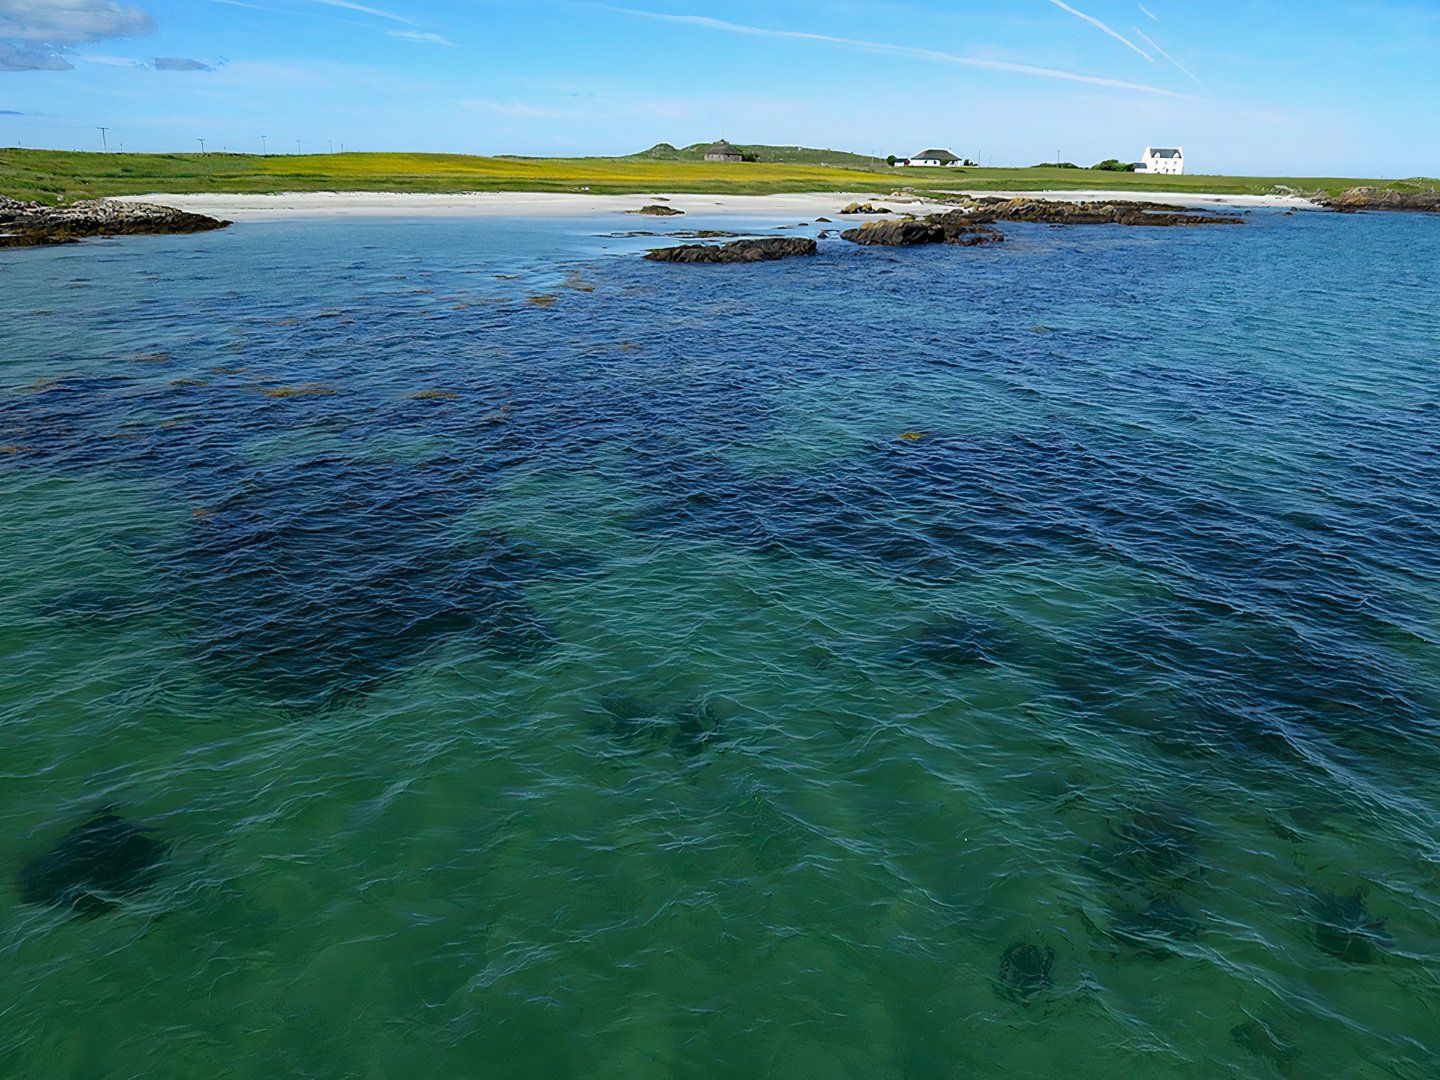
1159 159
932 159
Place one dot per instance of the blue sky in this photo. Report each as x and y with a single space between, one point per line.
1273 87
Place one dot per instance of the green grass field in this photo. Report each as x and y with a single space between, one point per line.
49 175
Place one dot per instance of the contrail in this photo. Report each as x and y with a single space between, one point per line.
1150 13
348 6
1097 23
899 50
1151 42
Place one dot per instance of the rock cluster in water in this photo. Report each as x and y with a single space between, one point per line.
36 224
741 251
969 226
1046 212
952 228
655 210
1372 198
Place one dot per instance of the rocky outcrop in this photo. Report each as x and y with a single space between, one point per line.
1046 212
741 251
972 225
936 229
657 210
1372 198
865 208
36 225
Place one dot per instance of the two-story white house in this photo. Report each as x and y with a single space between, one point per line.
1159 159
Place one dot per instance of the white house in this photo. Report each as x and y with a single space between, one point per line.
932 159
1159 159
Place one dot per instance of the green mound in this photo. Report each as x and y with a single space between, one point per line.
770 155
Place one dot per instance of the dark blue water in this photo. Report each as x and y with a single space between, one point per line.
463 642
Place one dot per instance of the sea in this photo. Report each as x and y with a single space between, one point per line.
463 648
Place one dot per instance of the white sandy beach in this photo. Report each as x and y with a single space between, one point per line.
546 204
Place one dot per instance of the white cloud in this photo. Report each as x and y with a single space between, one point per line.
109 61
902 50
420 37
1101 26
16 56
1149 13
70 22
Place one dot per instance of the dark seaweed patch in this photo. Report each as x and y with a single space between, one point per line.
1155 851
319 581
954 643
1154 928
644 726
1343 926
1258 1039
94 866
1026 970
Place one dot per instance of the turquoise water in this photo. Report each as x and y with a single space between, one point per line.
1010 662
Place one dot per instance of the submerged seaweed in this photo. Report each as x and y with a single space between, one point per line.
953 643
1343 926
94 866
319 581
1257 1038
1026 969
1153 850
644 726
1155 928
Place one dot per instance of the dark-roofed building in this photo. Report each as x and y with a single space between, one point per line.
933 159
723 151
1161 159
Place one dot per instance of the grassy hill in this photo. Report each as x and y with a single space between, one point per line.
51 174
770 155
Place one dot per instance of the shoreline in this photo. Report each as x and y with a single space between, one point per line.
516 204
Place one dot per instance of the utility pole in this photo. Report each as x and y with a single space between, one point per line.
332 146
105 139
297 146
202 145
263 149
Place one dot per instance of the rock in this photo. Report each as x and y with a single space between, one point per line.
971 225
34 224
309 389
741 251
1046 212
655 210
1372 198
936 229
865 208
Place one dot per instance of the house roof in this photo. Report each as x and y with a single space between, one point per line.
935 155
722 147
1156 151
